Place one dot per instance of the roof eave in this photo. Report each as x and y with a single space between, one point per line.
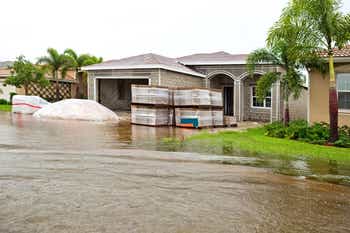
213 63
87 68
341 59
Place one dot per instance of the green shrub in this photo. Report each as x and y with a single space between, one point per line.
4 102
344 130
275 129
297 129
12 94
344 137
318 133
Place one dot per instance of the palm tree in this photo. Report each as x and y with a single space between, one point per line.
291 81
329 29
79 61
288 48
56 63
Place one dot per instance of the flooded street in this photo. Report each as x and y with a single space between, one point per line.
58 176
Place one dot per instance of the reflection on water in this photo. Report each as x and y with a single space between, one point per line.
23 131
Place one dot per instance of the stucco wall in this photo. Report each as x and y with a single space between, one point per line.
319 86
298 107
5 91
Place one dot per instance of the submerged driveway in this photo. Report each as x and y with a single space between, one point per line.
81 177
132 192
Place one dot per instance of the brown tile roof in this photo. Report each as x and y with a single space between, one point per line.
344 52
4 72
217 58
144 61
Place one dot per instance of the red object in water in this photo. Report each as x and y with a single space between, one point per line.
25 104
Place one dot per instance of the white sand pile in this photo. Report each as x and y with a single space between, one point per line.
76 109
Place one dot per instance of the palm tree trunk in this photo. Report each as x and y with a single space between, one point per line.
333 102
286 106
25 89
286 113
80 84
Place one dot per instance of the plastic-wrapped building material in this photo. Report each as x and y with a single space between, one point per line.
230 120
143 94
216 98
218 117
77 109
27 104
192 97
145 115
193 118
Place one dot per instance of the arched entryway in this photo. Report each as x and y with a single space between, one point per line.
224 82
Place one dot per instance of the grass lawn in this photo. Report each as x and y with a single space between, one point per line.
5 108
254 141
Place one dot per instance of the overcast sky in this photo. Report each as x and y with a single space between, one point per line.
118 28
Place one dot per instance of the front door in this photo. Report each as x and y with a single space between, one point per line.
228 101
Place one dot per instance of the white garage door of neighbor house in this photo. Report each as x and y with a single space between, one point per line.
5 91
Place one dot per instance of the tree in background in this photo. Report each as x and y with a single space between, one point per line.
289 49
56 63
329 29
79 61
24 73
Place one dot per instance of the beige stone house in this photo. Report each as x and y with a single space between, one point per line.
68 85
4 73
319 86
110 82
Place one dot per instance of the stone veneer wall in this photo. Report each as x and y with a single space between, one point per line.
251 113
242 105
174 79
152 74
238 73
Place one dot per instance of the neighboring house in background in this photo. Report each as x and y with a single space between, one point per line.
109 83
67 85
4 73
319 86
67 88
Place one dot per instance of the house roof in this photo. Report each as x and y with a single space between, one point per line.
145 61
344 52
217 58
5 64
4 70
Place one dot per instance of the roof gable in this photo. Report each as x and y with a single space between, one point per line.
217 58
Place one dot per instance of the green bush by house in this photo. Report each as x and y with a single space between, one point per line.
317 133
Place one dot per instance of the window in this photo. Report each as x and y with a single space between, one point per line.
343 88
258 103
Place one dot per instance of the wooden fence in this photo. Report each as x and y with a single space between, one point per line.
67 90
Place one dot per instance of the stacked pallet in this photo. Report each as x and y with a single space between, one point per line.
198 108
151 105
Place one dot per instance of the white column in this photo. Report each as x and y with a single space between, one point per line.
238 100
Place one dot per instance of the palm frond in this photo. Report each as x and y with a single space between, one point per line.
261 56
71 53
265 82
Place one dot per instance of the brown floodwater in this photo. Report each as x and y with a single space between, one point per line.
58 176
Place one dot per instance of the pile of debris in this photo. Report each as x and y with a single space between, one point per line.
69 109
182 107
